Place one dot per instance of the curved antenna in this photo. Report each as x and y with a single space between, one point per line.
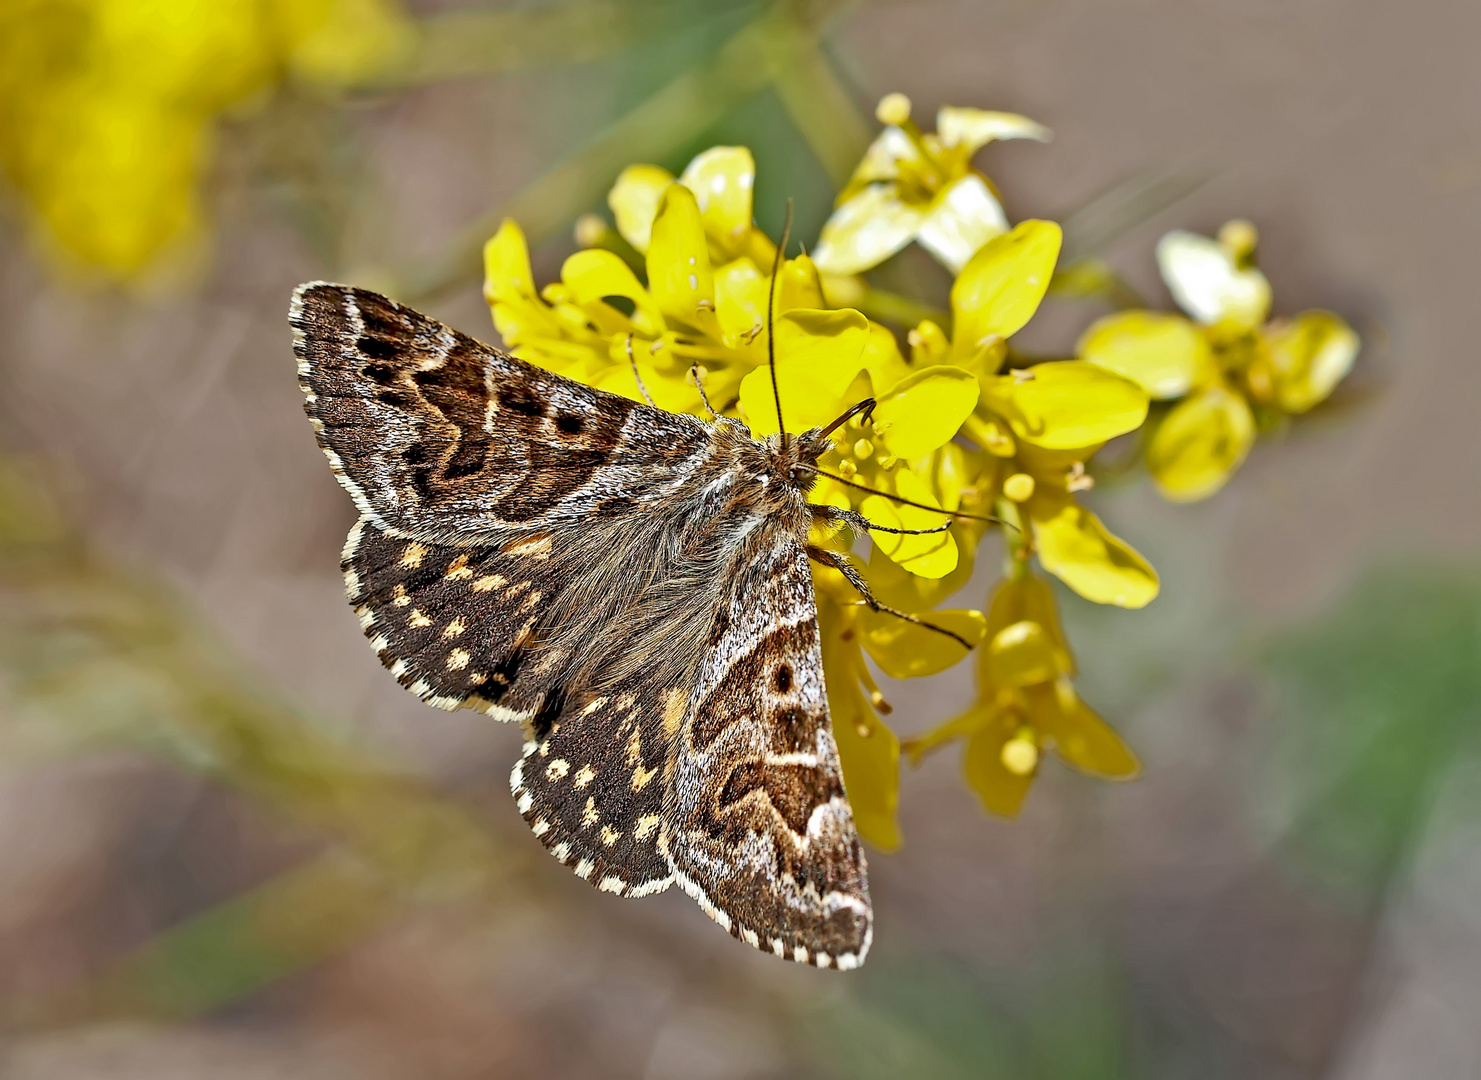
776 270
908 502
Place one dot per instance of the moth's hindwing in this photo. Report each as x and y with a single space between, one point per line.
591 784
438 435
456 624
760 832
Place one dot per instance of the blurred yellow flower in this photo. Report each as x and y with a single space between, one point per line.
107 106
920 186
1222 366
1026 703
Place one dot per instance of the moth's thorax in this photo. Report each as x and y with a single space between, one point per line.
770 478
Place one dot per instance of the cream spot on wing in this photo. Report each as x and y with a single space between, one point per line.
540 828
534 547
596 703
413 554
646 824
530 601
458 569
609 835
514 590
562 851
750 938
625 702
673 711
611 883
557 769
458 659
545 748
489 582
478 678
589 816
399 597
641 777
585 775
454 628
417 619
584 868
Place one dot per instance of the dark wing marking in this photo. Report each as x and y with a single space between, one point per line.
591 785
760 831
457 625
439 436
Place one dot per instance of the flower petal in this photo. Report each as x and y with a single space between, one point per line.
596 273
1200 443
925 409
1028 596
868 751
961 219
930 556
818 353
1075 547
975 128
1081 738
1163 354
1001 287
506 265
722 178
1067 404
865 231
1021 654
907 650
679 274
1001 791
1207 285
1308 357
634 201
882 359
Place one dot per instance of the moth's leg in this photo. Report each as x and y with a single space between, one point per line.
700 386
838 561
857 521
633 360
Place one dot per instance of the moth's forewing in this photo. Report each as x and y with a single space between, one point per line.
529 547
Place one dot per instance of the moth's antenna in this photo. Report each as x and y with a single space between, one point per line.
700 386
776 270
907 502
882 608
633 360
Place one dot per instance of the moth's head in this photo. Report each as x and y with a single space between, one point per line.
794 456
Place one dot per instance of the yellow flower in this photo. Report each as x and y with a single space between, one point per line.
917 186
688 314
723 179
1225 366
1040 425
868 750
107 106
1026 703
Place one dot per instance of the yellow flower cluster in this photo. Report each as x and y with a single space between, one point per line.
107 106
963 433
1229 370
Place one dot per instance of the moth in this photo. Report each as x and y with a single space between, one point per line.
632 586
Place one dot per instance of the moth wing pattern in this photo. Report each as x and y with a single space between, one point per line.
440 436
591 785
458 625
759 830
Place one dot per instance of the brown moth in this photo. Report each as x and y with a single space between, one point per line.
631 585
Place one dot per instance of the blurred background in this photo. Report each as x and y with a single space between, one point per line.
231 846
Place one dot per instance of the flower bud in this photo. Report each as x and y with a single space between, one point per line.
893 109
1020 756
590 230
1019 487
